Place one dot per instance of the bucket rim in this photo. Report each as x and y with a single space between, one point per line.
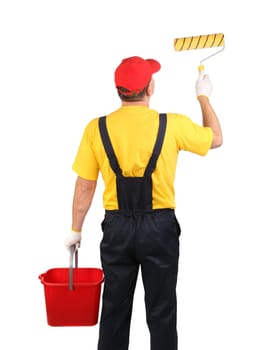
77 283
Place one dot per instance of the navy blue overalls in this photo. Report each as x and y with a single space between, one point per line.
136 235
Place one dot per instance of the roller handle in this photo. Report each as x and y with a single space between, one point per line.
201 68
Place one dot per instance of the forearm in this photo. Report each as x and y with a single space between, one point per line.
210 119
83 195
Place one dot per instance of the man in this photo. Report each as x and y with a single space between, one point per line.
136 149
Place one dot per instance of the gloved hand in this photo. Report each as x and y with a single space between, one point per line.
73 238
203 85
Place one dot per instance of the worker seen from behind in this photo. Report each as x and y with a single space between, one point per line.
135 148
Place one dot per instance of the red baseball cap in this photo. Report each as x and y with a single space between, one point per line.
134 73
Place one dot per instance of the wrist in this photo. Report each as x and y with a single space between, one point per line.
202 98
203 101
75 230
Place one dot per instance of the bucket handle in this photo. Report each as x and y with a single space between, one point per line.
73 251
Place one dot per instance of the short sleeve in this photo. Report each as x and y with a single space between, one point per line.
192 137
85 163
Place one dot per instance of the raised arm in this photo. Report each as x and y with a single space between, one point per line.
203 91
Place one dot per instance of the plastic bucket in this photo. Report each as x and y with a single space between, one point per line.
75 306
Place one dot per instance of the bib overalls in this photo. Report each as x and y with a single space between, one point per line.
136 236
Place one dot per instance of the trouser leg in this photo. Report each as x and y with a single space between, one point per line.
159 272
120 272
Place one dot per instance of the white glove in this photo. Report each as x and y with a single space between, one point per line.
203 85
73 238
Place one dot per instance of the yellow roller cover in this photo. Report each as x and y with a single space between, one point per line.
199 42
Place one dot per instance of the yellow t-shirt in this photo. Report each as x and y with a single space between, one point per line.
133 132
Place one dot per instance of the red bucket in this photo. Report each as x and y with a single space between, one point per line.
76 306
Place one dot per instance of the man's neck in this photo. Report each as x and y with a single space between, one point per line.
144 103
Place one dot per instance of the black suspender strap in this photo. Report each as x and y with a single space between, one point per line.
108 147
158 145
156 150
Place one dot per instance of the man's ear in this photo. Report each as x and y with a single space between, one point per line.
151 86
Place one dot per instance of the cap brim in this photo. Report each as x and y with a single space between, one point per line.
155 65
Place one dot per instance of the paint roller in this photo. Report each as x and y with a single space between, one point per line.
200 42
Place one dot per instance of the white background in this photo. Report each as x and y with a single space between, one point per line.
57 64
